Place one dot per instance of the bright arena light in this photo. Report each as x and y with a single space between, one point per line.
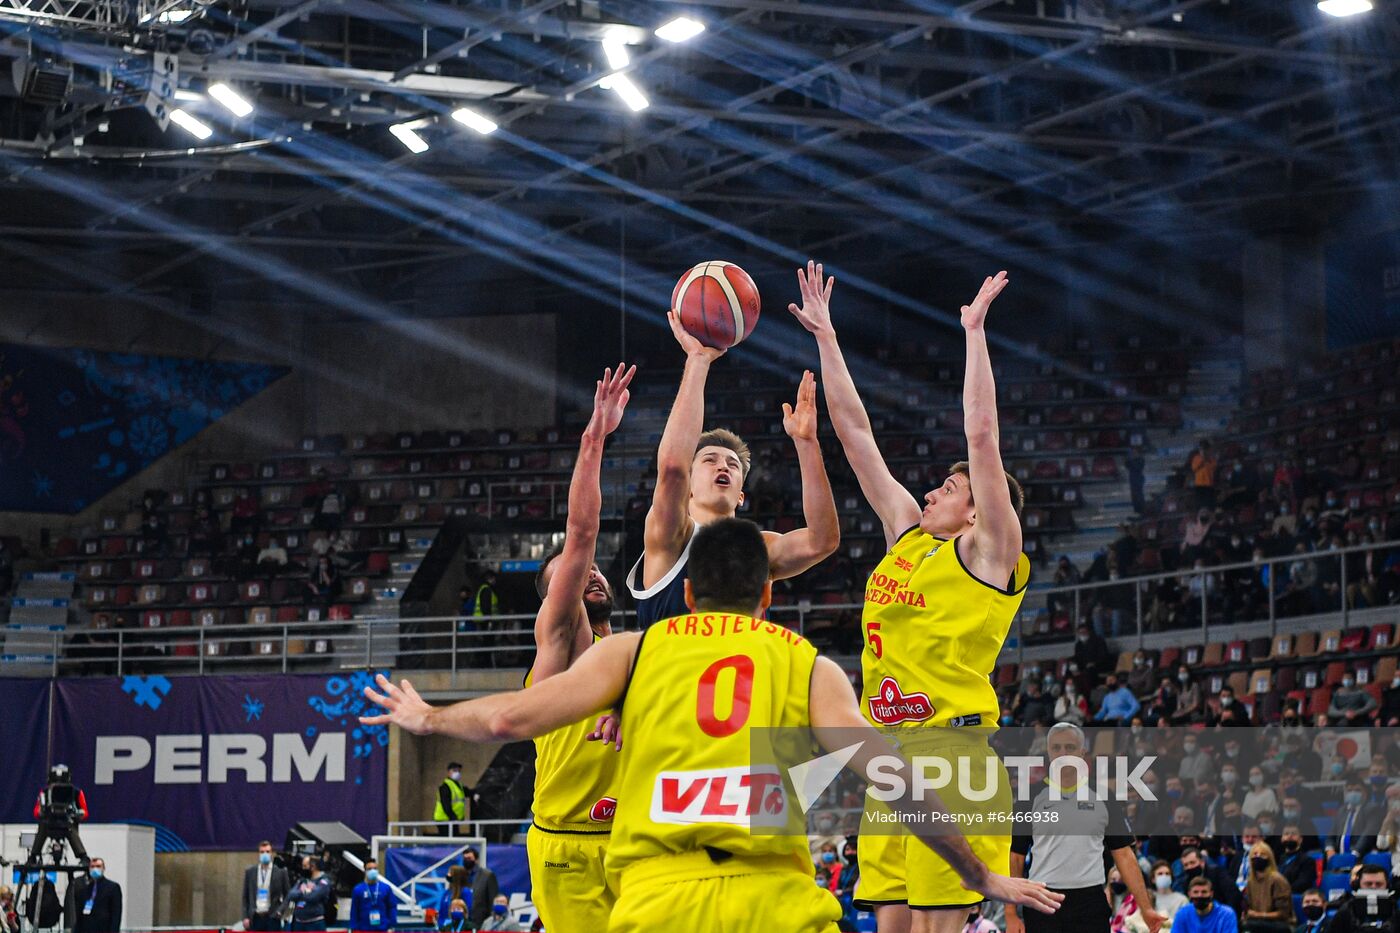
234 102
631 95
680 29
411 140
189 96
190 125
615 50
473 120
1344 7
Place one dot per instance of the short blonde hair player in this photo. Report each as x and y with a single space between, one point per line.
937 608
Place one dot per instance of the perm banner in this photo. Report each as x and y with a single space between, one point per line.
24 731
223 762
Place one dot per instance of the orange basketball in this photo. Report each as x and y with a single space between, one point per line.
717 303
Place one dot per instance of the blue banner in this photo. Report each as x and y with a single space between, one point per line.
1363 290
509 862
223 762
24 734
76 423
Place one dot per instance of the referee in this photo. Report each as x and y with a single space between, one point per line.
1066 850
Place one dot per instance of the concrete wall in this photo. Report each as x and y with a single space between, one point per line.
347 377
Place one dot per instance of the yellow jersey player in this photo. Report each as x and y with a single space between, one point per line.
575 792
937 610
685 851
700 478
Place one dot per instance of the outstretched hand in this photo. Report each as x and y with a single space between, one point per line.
689 343
800 422
1020 891
608 730
975 314
815 312
610 401
404 707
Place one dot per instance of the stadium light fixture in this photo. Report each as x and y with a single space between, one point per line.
680 29
615 50
190 125
234 102
622 85
175 16
412 141
188 96
1340 8
473 120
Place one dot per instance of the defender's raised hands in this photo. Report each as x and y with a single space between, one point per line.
800 421
975 314
815 312
610 401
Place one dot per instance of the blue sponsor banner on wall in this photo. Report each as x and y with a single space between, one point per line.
24 731
76 423
223 762
1363 290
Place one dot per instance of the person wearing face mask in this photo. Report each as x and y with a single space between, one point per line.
1119 706
1091 651
265 889
1071 706
1314 912
1352 705
1196 765
312 898
1299 868
455 919
451 805
1268 900
500 918
1259 798
1196 864
1230 711
1356 822
1167 901
976 923
372 905
483 885
1143 675
94 902
1189 701
828 867
1204 914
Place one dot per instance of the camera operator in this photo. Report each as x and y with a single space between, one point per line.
265 888
312 897
59 809
1369 908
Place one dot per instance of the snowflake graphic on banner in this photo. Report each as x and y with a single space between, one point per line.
252 708
345 702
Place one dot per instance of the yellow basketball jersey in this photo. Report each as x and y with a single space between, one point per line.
574 779
932 635
699 685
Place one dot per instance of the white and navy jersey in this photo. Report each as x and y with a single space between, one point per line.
666 599
1066 839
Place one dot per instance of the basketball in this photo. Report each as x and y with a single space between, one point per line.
717 303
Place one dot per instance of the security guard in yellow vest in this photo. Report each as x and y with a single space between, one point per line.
451 805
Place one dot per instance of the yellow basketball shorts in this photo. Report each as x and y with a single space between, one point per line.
692 892
898 868
569 887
